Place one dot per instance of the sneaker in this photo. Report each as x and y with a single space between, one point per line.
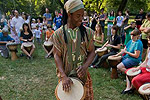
46 56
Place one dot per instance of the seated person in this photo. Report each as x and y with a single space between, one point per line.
27 36
5 38
132 57
143 77
49 33
113 43
98 36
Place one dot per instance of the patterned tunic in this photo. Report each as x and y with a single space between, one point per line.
59 43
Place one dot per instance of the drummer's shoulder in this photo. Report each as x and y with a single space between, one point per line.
88 29
58 31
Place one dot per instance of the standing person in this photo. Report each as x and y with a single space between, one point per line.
38 34
86 19
27 36
119 20
139 18
57 21
94 21
111 20
33 26
26 19
4 21
44 27
102 18
61 13
48 17
132 58
66 35
5 38
98 36
128 31
113 43
10 23
143 29
125 23
17 22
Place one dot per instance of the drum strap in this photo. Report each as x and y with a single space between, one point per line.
73 57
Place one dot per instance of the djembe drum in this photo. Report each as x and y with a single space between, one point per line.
145 93
48 45
113 62
77 91
102 52
13 50
28 46
132 74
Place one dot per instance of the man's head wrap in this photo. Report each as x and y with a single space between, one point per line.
73 5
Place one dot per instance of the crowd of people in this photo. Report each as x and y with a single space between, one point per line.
133 37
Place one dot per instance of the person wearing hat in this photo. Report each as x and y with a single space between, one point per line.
5 38
133 56
74 48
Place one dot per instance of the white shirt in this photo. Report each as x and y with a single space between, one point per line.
33 26
37 33
17 23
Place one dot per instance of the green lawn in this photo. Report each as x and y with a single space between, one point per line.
36 80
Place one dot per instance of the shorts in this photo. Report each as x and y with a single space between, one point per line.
145 43
129 63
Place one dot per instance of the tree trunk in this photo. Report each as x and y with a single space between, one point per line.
122 5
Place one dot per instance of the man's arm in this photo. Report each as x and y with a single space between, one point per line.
66 81
81 70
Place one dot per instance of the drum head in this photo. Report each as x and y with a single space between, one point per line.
48 43
76 93
27 44
131 73
101 50
144 92
147 69
114 58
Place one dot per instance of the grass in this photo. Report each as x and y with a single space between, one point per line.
36 80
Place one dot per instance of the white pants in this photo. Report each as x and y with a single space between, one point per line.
109 26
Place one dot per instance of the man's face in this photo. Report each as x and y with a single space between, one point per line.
76 17
56 13
16 13
47 10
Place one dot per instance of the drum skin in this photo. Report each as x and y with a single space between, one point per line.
145 93
131 74
48 46
77 92
102 52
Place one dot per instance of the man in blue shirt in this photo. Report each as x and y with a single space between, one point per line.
4 38
48 17
57 21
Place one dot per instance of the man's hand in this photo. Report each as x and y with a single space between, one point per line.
66 82
81 71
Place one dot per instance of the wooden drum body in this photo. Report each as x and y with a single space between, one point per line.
48 45
102 52
145 93
132 74
113 62
77 91
13 49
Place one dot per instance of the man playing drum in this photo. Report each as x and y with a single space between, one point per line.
74 48
5 38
